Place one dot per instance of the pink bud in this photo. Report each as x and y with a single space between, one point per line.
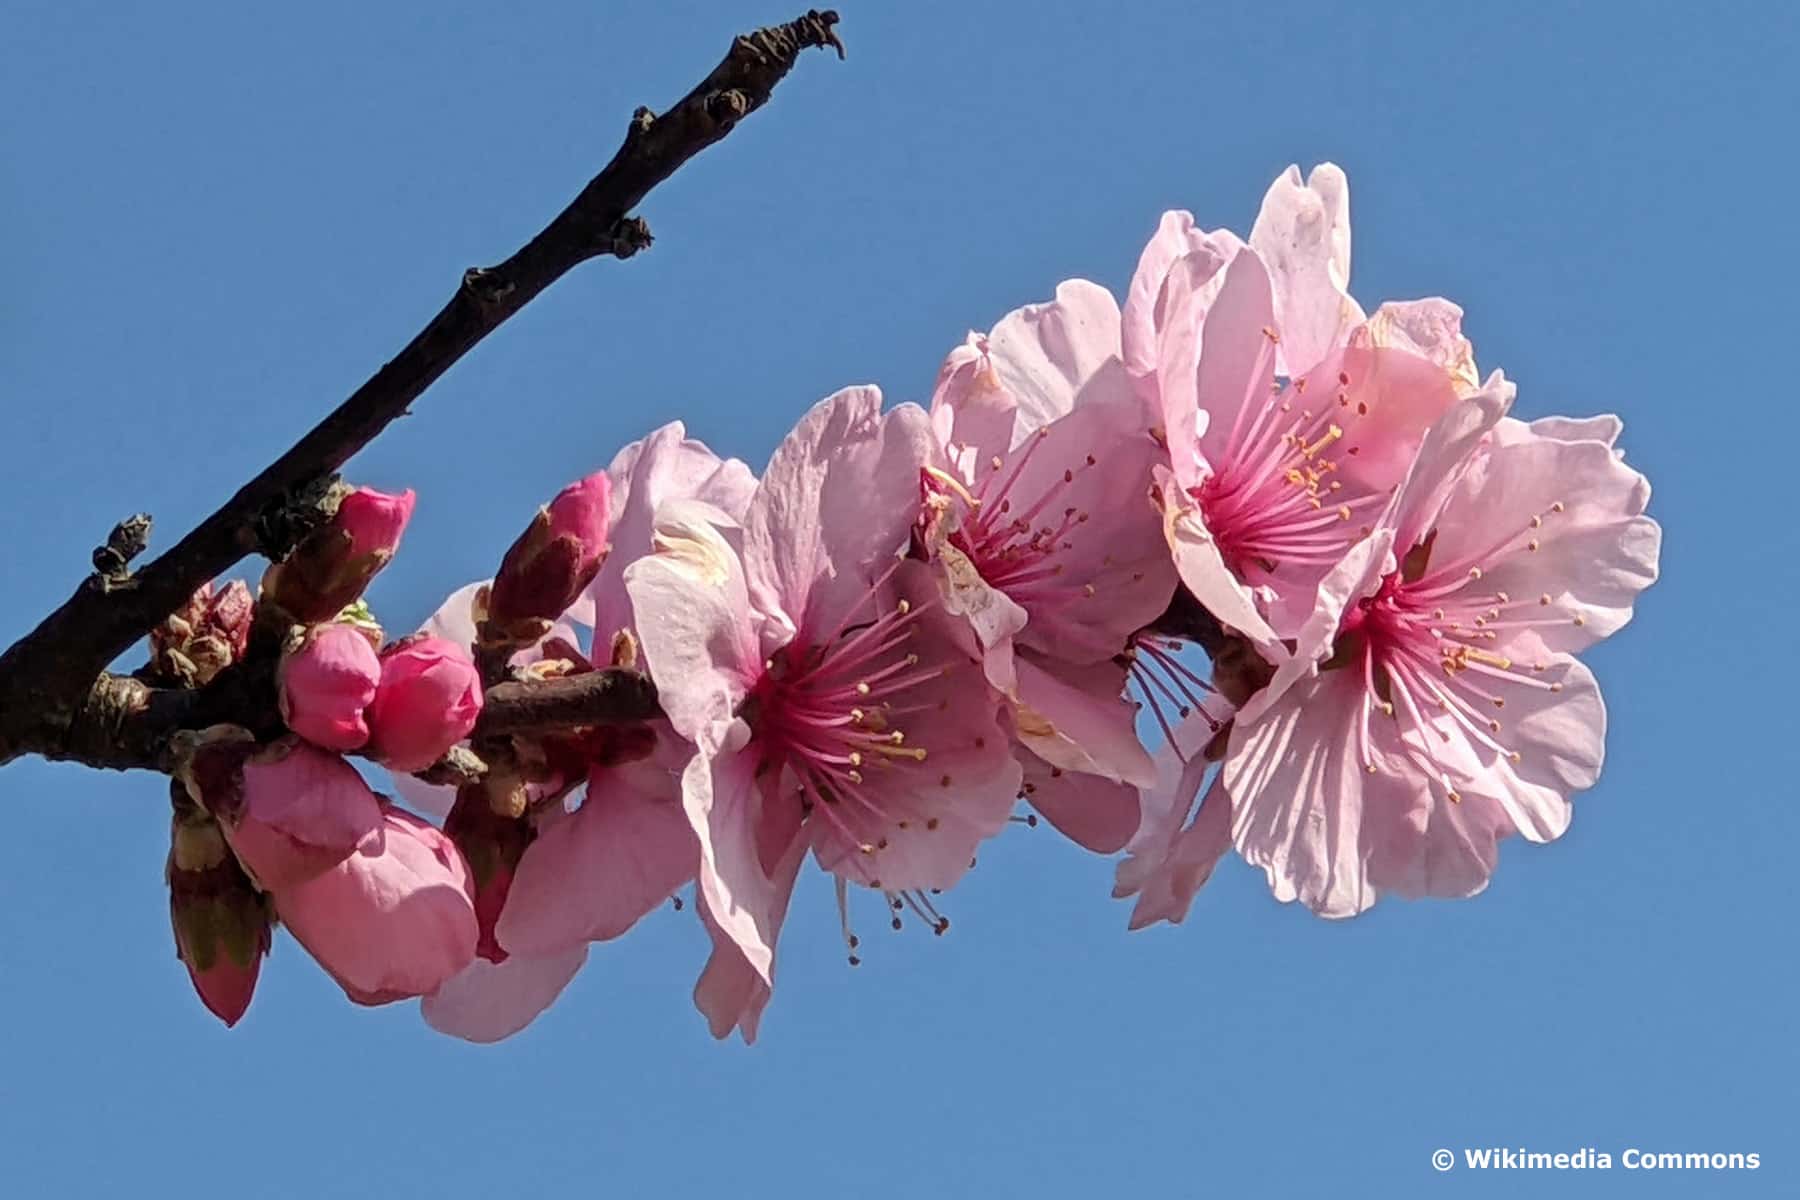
427 702
327 680
374 520
221 923
204 636
335 563
395 919
556 557
303 812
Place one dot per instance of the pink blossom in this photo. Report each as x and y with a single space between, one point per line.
1433 704
1040 530
327 679
394 919
1290 419
332 567
556 557
303 812
810 669
428 701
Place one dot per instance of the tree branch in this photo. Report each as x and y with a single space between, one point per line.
124 724
47 679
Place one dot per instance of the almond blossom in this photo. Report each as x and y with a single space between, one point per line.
622 844
1434 704
1290 419
1040 531
829 708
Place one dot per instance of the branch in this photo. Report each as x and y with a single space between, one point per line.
124 724
46 677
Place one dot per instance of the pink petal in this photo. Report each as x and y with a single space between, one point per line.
1303 235
486 1003
1048 355
1430 329
1166 874
667 465
1178 261
838 496
1558 521
591 875
1076 718
699 638
1303 808
731 992
723 800
1095 813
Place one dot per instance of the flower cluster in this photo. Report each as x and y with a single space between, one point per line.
1236 544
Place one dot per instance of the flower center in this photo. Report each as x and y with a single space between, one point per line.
1424 645
1272 500
1012 529
829 711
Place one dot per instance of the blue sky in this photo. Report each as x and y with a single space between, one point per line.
216 222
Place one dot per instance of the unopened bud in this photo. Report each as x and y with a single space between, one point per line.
556 557
203 636
220 921
330 569
328 677
428 700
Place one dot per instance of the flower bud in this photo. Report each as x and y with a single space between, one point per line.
428 700
556 557
220 921
393 920
328 676
203 636
302 812
332 566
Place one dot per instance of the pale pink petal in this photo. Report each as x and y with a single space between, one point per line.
1557 527
1096 814
1166 879
1560 738
724 802
731 992
667 465
1169 859
1235 369
1048 355
1303 236
1177 251
972 415
591 875
837 498
1447 451
488 1002
1076 718
1430 329
1091 473
1303 808
699 634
